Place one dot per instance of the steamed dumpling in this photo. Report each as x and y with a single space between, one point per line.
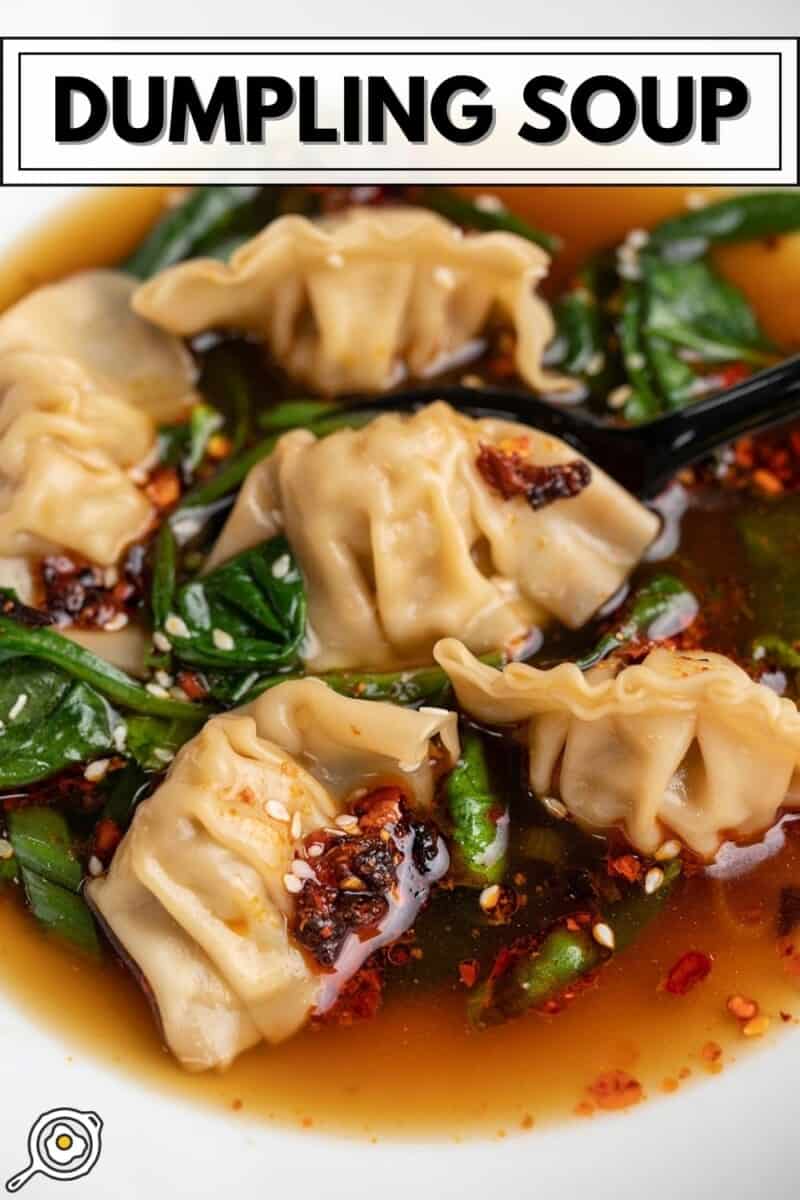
83 382
195 894
683 743
401 540
355 301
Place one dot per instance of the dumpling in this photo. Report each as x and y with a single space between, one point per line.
683 743
355 301
402 540
83 381
195 896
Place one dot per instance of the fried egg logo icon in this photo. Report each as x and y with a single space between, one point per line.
64 1143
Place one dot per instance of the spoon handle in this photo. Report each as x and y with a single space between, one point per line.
675 441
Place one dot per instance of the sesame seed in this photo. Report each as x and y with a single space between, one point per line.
161 642
278 811
620 396
488 203
653 880
489 897
97 770
281 567
6 849
635 361
595 364
445 277
555 807
164 679
297 825
335 260
316 850
163 755
117 622
178 693
695 200
175 626
603 934
637 238
95 866
120 737
222 640
302 870
292 884
347 821
17 706
156 690
668 850
110 577
756 1027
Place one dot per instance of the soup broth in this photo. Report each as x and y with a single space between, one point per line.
417 1068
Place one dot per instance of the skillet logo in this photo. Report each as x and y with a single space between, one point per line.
63 1144
300 110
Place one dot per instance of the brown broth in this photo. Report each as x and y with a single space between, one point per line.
417 1069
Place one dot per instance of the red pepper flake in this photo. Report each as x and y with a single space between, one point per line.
615 1089
107 836
192 684
692 968
627 866
711 1052
734 373
468 972
510 474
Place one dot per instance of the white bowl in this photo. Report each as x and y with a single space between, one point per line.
733 1136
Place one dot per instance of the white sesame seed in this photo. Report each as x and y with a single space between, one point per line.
316 850
110 577
302 870
6 849
161 642
156 690
555 807
603 934
297 825
175 626
346 821
163 755
489 897
695 200
97 770
595 363
17 706
95 866
120 737
222 640
278 811
445 277
667 850
620 396
281 566
164 679
637 238
488 203
653 880
335 260
178 693
117 622
2 726
635 361
292 884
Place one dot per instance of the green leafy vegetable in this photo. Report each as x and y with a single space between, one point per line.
249 612
61 912
43 843
153 741
742 218
204 221
60 722
661 608
295 414
164 574
125 789
464 212
564 957
479 818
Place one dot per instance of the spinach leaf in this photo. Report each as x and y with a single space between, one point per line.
250 612
152 741
61 912
42 843
63 722
204 220
124 790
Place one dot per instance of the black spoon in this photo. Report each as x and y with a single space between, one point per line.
643 458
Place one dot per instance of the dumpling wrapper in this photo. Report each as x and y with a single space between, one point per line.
355 301
195 894
83 383
401 541
683 743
